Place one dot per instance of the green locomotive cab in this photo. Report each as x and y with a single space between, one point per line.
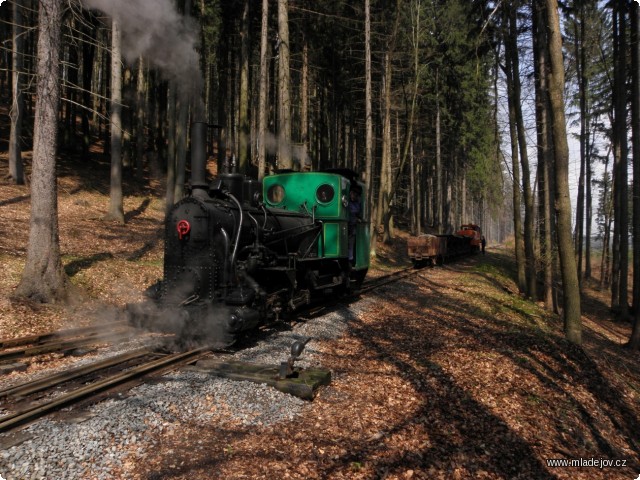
325 196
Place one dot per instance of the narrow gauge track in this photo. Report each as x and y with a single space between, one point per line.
392 277
57 335
131 366
144 362
12 349
367 286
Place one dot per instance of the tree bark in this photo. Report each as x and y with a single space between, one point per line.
634 341
607 204
412 193
439 200
304 106
89 66
243 114
16 165
403 149
621 223
545 157
529 250
181 129
263 94
580 73
116 210
383 220
171 146
141 108
126 117
43 278
368 147
571 288
513 135
285 160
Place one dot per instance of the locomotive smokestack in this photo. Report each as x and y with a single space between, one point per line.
198 157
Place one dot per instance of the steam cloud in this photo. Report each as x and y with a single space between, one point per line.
155 30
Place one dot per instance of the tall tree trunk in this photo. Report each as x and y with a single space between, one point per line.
16 165
589 209
182 127
43 278
586 124
243 114
420 187
224 93
97 81
606 240
263 94
545 157
368 113
529 250
634 341
304 106
88 56
383 220
513 135
403 147
615 188
412 193
621 160
439 200
172 96
116 210
126 117
285 160
141 108
581 77
65 107
570 286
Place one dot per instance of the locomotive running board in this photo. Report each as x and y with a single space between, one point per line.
303 384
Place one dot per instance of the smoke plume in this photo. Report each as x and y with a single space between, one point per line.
156 31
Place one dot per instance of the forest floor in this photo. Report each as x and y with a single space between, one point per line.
452 374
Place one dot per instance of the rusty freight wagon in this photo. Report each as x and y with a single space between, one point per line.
427 249
436 249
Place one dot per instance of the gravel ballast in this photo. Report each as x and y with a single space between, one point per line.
118 432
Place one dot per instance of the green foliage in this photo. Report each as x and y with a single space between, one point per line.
211 22
604 210
462 63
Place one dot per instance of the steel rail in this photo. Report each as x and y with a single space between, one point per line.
13 420
386 279
35 386
368 285
65 345
43 337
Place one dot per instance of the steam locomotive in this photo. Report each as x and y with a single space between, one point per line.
240 253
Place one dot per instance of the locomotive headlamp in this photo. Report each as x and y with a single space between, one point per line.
325 193
275 194
183 228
